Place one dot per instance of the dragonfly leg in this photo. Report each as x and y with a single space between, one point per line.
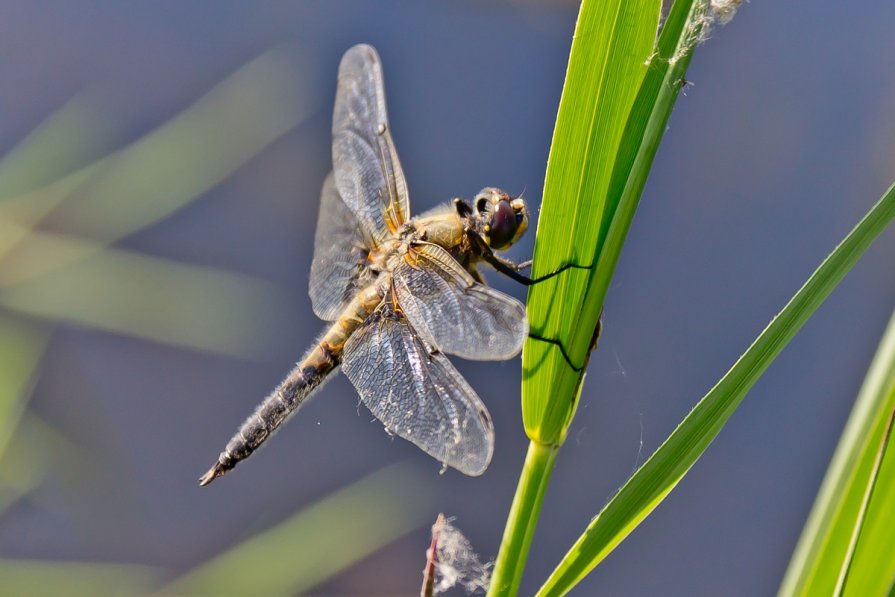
516 267
510 269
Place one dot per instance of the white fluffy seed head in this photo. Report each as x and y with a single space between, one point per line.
724 10
706 14
455 561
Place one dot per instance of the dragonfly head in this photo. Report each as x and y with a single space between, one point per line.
501 218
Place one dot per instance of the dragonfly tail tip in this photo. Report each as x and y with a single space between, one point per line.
213 473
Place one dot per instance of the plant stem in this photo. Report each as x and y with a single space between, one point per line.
522 519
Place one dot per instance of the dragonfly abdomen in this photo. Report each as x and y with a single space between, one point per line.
305 379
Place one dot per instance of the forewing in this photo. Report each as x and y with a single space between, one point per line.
418 394
453 311
368 173
339 268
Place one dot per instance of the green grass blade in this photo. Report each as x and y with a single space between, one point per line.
671 461
823 548
318 542
613 41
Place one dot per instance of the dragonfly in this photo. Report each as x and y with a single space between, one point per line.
399 292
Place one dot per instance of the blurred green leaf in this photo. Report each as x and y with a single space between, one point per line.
823 549
19 216
75 277
23 464
318 542
72 579
21 348
194 151
66 278
150 179
38 448
74 135
147 297
667 466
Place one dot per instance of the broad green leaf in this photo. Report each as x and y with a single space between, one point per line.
612 44
607 62
318 542
671 461
824 546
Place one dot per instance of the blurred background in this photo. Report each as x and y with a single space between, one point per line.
160 170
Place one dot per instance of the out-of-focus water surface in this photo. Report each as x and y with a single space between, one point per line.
170 156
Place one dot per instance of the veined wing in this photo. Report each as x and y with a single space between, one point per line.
368 173
417 393
339 268
453 311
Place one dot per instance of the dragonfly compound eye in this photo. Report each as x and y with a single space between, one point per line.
502 227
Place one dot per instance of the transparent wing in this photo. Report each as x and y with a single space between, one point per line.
368 173
339 268
418 394
453 311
